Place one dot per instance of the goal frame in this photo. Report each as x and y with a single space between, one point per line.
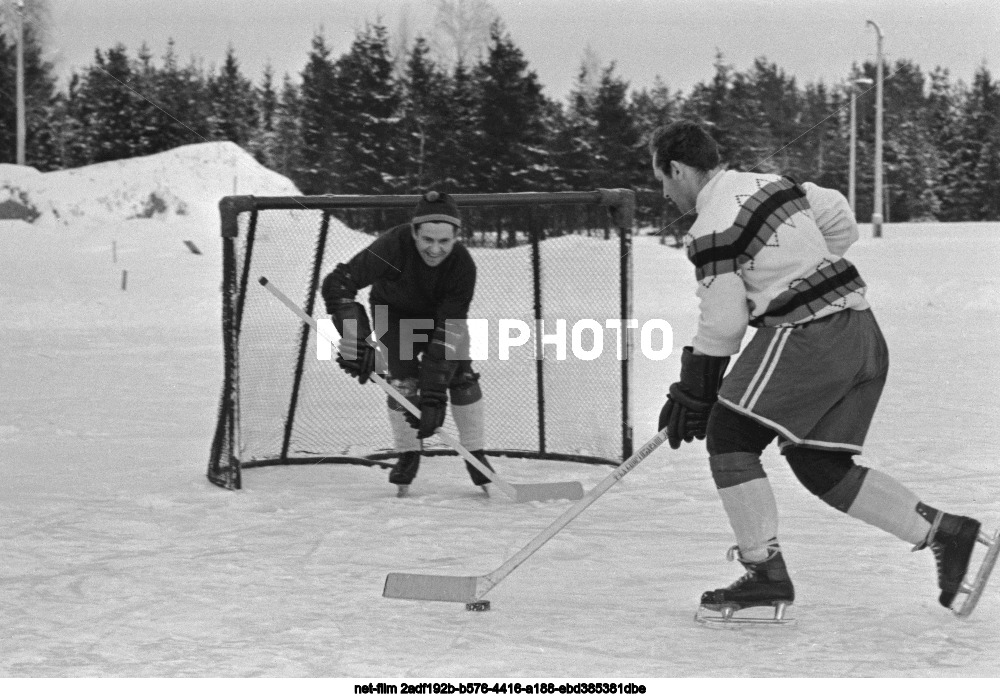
225 466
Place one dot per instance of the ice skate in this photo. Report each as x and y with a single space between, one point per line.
765 584
974 589
952 539
404 471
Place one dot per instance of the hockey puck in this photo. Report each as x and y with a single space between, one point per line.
478 606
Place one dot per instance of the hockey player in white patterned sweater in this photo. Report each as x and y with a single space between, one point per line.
767 254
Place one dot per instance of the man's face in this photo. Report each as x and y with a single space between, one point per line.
435 241
673 187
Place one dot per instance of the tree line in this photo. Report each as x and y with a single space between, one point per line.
388 117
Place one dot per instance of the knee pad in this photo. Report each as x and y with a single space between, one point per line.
833 476
464 388
731 469
731 432
407 387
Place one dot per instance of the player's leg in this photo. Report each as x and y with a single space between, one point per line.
735 443
403 376
870 495
882 501
466 397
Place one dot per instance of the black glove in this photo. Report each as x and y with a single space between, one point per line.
685 413
360 368
353 342
435 375
432 412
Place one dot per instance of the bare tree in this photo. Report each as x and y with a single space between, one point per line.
401 42
590 72
462 28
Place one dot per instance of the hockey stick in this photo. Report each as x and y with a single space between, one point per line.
533 492
439 587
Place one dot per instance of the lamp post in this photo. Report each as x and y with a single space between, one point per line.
857 84
21 128
877 208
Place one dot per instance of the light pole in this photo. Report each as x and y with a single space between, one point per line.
856 84
21 128
877 208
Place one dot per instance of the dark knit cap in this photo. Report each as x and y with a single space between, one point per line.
435 207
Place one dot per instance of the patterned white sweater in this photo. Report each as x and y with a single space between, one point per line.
767 253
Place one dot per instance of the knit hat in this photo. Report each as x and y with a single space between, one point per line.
435 207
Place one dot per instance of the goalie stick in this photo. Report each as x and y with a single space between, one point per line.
439 587
532 492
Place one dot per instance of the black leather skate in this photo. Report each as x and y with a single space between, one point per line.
404 471
951 539
766 583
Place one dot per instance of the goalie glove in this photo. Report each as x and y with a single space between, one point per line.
685 413
355 356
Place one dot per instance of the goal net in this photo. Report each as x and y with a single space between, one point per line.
555 264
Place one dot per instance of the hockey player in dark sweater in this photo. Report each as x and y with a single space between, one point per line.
422 281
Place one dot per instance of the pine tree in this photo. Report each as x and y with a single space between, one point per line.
574 146
426 119
616 133
655 106
180 109
940 117
982 127
511 111
907 158
773 114
234 115
459 156
821 152
366 116
314 168
262 141
722 104
110 108
288 144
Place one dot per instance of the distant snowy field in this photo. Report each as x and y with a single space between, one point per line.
120 559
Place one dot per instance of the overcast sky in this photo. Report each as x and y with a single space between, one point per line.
676 39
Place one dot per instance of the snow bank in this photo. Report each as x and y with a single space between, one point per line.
185 181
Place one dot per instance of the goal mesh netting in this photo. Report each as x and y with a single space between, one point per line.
540 258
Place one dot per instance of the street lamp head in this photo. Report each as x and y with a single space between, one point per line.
862 83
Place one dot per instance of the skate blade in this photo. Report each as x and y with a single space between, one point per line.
974 590
486 490
726 617
403 491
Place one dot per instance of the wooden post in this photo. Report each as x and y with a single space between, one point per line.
124 278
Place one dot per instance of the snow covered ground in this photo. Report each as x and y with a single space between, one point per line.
120 559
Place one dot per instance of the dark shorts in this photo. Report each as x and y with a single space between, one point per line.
816 384
405 339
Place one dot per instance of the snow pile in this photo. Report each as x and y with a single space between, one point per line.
185 181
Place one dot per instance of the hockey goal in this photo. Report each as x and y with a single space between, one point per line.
556 264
